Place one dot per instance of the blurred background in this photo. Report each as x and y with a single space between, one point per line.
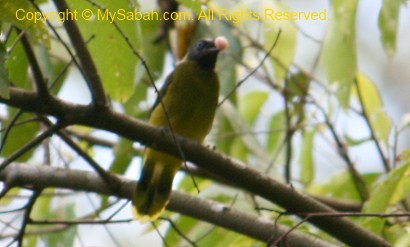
302 42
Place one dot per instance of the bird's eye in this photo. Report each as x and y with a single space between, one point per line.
200 45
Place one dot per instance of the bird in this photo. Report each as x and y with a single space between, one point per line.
185 105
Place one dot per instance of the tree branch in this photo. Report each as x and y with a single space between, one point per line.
263 229
238 173
40 83
92 77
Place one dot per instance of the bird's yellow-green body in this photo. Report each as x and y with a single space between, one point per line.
190 98
190 101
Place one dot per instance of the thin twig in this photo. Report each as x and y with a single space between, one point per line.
9 127
36 141
253 71
366 116
276 242
342 150
178 231
86 219
79 222
37 232
164 241
19 123
117 211
26 217
93 140
61 74
101 171
288 137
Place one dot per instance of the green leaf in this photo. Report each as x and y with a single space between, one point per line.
20 135
123 153
306 158
244 241
240 126
42 210
372 101
208 234
339 51
17 63
220 237
223 135
351 141
277 132
404 156
283 53
239 150
30 240
297 88
154 54
373 105
297 85
250 105
184 224
10 196
14 12
382 125
52 68
388 24
4 77
115 61
388 192
133 105
341 186
249 108
188 185
63 238
402 240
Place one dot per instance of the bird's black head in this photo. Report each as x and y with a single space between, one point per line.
205 53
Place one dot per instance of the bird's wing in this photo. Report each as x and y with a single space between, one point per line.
162 92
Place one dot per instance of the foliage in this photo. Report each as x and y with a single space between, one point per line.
278 117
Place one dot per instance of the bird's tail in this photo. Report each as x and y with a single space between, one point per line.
153 190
